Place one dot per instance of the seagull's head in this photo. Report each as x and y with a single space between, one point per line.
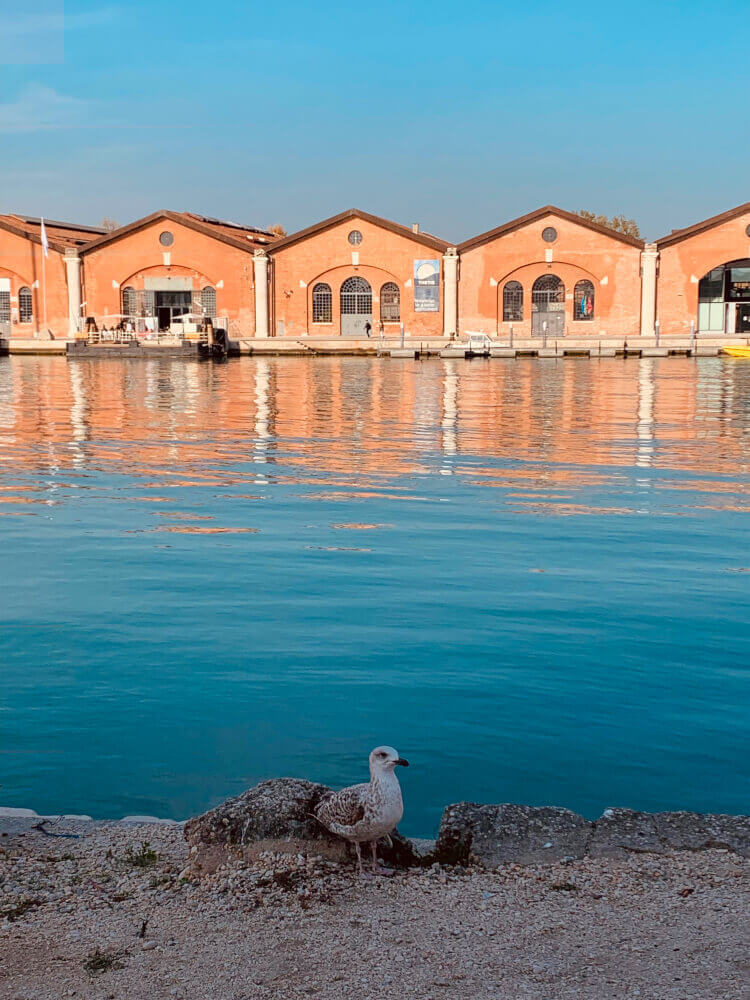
384 759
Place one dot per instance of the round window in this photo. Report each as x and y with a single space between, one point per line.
166 239
355 237
549 235
747 231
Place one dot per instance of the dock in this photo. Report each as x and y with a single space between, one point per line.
406 349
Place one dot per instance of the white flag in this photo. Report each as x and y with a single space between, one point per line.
45 242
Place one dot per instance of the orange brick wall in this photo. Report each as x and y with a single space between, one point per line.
21 261
327 256
683 264
578 253
128 261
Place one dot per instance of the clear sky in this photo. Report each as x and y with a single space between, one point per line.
457 115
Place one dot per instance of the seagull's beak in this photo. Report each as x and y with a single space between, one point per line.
403 762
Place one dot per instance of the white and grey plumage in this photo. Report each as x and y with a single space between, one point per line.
369 811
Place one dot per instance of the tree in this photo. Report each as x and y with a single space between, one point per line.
621 224
109 224
277 229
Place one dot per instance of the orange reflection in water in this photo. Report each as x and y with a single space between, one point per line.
355 425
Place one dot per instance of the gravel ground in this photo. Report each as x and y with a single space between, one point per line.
104 916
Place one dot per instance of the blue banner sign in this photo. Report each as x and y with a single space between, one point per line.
426 286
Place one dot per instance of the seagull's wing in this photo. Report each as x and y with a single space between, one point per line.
344 808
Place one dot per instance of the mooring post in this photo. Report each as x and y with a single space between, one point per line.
544 334
657 331
511 335
402 334
692 336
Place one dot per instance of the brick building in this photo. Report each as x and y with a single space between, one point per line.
34 289
171 265
354 273
704 275
550 271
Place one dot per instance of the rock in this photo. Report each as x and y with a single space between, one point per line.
276 815
621 831
496 834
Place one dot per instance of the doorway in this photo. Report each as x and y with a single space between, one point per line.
548 306
356 308
170 305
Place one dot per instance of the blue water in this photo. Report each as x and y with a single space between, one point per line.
532 578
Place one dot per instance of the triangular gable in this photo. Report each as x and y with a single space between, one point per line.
716 220
179 219
540 213
434 242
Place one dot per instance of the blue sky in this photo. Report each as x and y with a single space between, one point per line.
457 115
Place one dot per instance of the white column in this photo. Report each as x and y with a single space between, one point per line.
73 269
260 266
450 292
649 257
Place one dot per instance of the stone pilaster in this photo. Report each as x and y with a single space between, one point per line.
649 258
260 269
450 293
73 273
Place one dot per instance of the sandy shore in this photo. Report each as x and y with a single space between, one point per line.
103 916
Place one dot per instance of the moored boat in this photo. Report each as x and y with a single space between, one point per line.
736 352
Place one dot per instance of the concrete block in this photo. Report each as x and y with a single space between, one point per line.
654 352
604 352
453 352
403 352
502 352
548 352
706 351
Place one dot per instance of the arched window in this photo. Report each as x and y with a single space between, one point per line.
390 303
208 301
583 301
25 305
129 301
513 302
322 303
4 305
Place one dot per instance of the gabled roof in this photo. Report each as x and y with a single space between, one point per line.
60 235
242 237
540 213
716 220
434 242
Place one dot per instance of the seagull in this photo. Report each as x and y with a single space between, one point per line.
369 811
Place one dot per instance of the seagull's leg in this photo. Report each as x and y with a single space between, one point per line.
359 857
377 870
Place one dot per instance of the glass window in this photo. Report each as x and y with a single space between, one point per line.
4 307
129 301
549 235
513 302
711 301
25 305
390 303
322 309
583 301
166 239
355 237
208 301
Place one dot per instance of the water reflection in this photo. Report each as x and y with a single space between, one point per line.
358 417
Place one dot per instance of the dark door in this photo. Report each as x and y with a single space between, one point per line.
548 306
742 321
170 305
356 308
